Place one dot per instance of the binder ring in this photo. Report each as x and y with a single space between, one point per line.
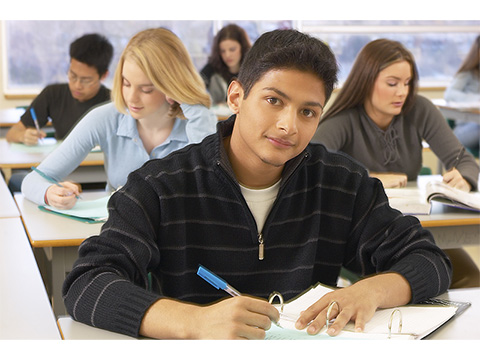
391 320
329 310
272 297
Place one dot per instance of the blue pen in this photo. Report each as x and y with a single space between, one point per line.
35 121
49 179
216 281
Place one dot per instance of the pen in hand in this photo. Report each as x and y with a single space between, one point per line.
35 121
50 179
459 157
218 283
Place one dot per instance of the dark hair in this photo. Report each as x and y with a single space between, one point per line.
373 58
288 49
94 50
472 60
229 32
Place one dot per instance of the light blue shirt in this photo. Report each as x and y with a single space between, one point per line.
465 87
118 137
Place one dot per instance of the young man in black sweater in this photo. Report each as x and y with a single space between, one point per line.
261 207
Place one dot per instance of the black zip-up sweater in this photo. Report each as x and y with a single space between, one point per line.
187 209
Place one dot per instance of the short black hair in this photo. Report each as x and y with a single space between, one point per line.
94 50
288 49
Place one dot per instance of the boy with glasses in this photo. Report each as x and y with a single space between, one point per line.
65 104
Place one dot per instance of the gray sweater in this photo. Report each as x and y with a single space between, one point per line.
399 148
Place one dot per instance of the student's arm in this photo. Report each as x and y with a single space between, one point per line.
61 162
18 133
445 145
201 122
398 258
456 90
239 317
357 302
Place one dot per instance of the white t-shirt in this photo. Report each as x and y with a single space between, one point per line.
260 202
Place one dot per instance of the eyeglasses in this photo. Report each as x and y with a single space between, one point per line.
83 81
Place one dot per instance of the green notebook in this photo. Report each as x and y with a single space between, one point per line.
88 211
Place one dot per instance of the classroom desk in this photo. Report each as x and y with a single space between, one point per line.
8 208
25 311
11 159
10 116
463 327
59 237
450 226
466 112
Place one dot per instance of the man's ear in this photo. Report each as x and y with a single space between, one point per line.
234 96
104 76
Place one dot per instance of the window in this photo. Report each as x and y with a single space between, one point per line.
36 51
439 47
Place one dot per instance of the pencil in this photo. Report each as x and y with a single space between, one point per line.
35 120
459 157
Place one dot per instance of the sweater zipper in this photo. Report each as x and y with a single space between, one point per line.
260 247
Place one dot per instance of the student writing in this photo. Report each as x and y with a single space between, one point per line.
64 104
378 119
258 205
465 87
159 105
228 50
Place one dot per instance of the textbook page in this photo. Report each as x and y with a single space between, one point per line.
441 192
408 201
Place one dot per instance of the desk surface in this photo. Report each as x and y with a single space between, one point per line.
10 158
462 327
10 116
25 311
463 112
45 230
8 208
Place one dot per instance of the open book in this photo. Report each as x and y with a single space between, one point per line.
418 320
417 201
89 211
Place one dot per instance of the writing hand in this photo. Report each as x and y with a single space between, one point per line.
454 179
240 317
63 197
31 136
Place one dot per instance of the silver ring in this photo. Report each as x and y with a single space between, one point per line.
329 310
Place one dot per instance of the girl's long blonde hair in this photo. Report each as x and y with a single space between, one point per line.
163 58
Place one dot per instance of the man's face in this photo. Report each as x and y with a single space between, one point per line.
83 80
278 118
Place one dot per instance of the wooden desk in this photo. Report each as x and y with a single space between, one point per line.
25 311
12 159
463 112
463 327
59 237
8 208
